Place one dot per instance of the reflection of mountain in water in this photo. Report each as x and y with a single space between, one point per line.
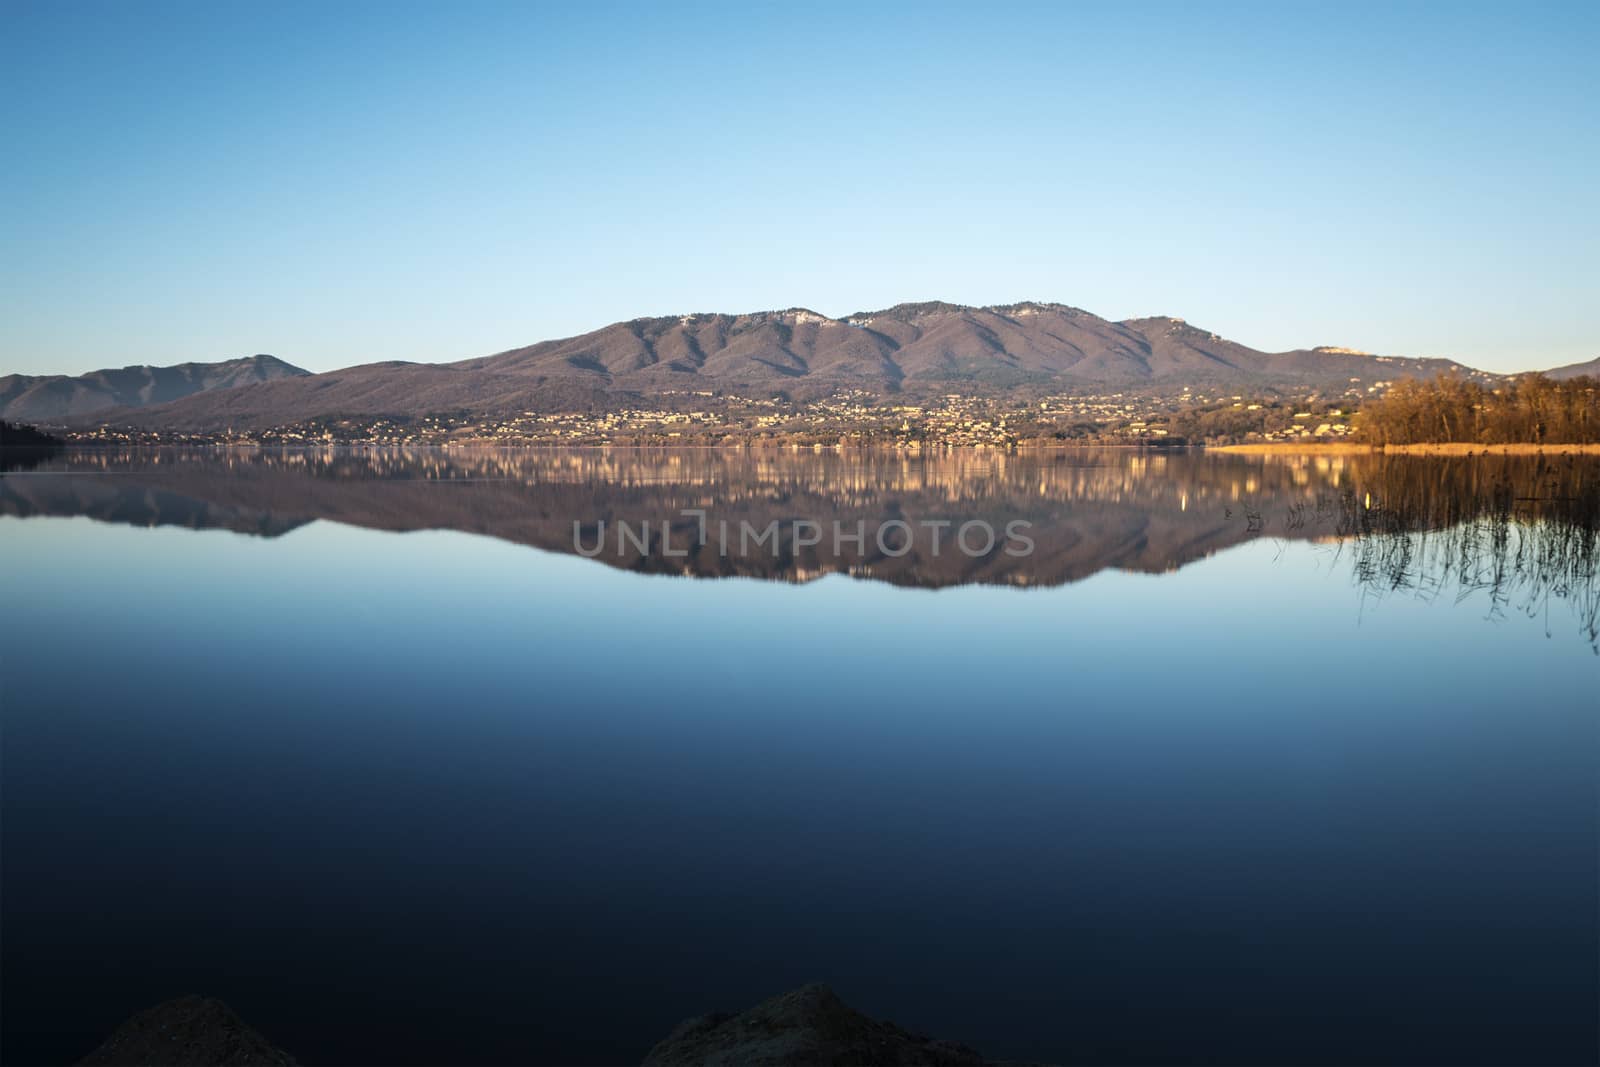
1088 510
1499 523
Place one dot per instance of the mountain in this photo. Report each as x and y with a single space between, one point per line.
56 396
390 388
931 343
928 348
1576 370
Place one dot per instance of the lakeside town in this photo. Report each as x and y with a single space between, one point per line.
847 417
1530 410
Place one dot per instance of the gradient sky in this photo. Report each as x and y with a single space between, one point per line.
341 183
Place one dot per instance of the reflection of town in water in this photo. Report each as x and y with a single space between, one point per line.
1519 530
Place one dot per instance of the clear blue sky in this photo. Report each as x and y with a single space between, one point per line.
337 183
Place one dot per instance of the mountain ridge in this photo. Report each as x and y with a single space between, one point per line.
1576 370
48 397
1002 344
914 348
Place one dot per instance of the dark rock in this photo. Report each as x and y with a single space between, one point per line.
809 1025
187 1032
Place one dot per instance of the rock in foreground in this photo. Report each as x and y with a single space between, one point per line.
809 1025
187 1032
806 1026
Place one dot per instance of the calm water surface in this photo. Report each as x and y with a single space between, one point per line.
1248 761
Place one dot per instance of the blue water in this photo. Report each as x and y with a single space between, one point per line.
434 797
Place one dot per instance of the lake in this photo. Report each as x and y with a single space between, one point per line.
1148 758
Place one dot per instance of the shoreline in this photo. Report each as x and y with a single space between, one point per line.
1269 448
1444 448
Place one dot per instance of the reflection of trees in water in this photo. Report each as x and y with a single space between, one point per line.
26 457
1520 531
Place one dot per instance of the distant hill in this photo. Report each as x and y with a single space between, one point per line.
909 349
1576 370
372 389
56 397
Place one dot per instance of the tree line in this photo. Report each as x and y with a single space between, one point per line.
1529 409
15 434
